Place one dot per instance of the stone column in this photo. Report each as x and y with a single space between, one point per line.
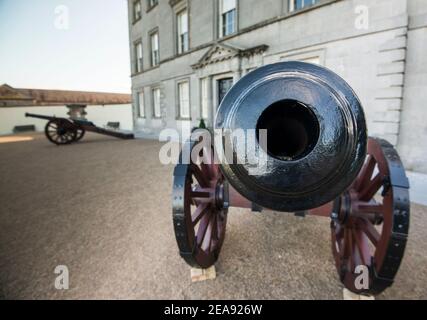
211 109
77 111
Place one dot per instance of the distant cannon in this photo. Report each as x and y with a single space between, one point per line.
320 162
62 131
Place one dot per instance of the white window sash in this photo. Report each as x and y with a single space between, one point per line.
137 10
156 103
184 100
138 56
155 41
304 4
227 5
155 49
182 21
141 105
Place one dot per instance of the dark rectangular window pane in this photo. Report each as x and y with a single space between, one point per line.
229 22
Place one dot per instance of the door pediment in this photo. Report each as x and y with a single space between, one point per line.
221 52
217 53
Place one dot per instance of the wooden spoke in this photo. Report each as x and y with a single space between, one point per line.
200 194
356 258
374 185
366 172
207 240
206 170
371 232
362 247
198 174
198 214
203 227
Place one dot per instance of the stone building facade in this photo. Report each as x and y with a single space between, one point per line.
186 54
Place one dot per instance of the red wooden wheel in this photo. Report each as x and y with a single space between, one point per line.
371 228
60 132
199 215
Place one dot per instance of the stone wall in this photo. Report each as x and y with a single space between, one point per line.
384 61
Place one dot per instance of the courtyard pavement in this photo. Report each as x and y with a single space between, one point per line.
102 208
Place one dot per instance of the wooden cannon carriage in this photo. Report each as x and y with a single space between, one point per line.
320 161
62 131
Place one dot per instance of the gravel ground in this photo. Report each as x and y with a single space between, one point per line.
102 208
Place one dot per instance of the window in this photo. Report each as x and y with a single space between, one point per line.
228 17
204 112
299 4
156 103
184 100
137 11
182 21
138 56
155 56
152 3
141 105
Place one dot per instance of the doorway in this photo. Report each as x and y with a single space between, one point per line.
224 85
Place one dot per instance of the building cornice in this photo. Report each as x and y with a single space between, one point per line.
241 31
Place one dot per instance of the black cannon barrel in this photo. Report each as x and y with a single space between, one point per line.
38 116
316 135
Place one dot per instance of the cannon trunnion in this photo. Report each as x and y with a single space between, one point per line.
311 132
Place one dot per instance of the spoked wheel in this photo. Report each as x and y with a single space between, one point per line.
80 134
199 214
60 132
369 228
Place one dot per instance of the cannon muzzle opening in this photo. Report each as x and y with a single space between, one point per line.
316 135
292 129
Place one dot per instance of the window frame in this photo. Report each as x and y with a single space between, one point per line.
151 5
222 17
153 97
135 19
293 8
139 61
179 41
141 111
180 115
151 34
